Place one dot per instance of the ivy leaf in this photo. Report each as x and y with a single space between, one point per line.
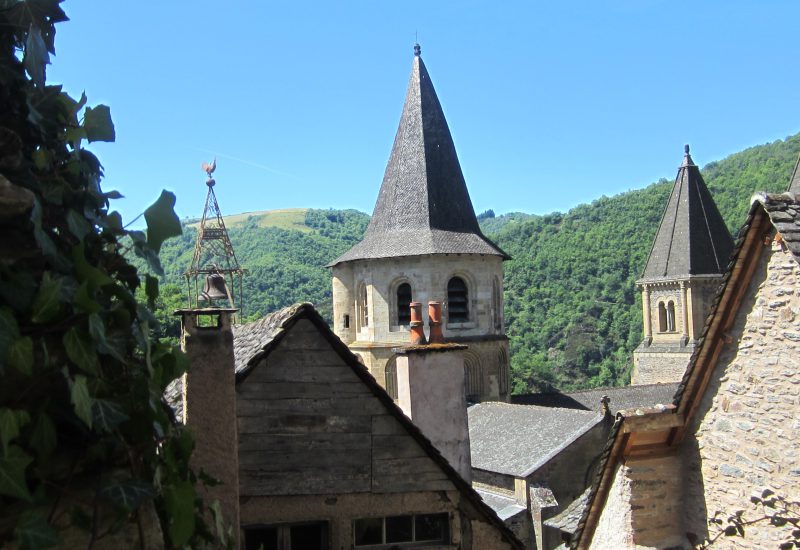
43 437
36 56
46 305
44 240
81 400
84 301
12 474
80 350
179 502
162 222
77 224
151 290
98 125
9 331
128 494
20 355
10 424
107 415
86 271
33 532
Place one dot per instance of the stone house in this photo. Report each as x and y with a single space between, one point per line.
733 429
311 451
679 281
423 243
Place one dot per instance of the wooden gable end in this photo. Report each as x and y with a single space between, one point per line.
309 424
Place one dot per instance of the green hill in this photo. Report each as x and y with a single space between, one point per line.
572 311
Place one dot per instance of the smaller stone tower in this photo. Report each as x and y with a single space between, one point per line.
684 269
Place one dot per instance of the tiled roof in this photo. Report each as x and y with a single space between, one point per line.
518 439
504 506
784 213
567 520
794 181
423 205
621 398
251 340
692 238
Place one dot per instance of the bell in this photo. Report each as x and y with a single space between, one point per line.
215 289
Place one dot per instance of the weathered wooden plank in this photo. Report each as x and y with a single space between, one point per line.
304 335
404 466
332 406
304 423
396 446
255 483
288 390
299 444
424 481
385 424
305 461
299 372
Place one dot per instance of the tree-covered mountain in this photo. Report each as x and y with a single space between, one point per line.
572 310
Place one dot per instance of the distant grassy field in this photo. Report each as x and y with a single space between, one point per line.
287 218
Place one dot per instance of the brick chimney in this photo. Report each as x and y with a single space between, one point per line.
430 390
210 403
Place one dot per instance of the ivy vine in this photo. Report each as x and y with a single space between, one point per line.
89 450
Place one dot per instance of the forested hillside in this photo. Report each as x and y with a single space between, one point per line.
572 311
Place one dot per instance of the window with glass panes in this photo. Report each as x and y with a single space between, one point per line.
398 529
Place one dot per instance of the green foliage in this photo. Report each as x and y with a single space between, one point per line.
573 313
86 438
572 310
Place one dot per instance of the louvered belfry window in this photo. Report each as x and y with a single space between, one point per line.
403 304
457 301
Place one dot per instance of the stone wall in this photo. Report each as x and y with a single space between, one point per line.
660 364
643 508
748 424
428 276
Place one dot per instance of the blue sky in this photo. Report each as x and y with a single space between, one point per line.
550 103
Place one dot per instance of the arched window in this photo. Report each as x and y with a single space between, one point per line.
662 317
457 301
497 305
363 306
390 378
503 374
403 304
671 316
473 381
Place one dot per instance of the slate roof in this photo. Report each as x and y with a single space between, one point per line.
692 238
518 439
252 340
784 213
504 506
794 181
423 206
621 398
567 520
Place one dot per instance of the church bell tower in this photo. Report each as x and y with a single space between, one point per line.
689 255
424 244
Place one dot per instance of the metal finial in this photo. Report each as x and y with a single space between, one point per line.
417 49
686 148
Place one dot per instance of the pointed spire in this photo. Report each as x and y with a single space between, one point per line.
692 238
417 50
423 206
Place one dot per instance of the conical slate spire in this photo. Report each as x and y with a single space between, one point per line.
692 238
423 205
794 182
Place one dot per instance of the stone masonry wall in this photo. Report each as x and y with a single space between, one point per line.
748 424
643 507
651 366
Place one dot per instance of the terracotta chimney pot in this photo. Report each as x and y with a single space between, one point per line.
435 323
417 330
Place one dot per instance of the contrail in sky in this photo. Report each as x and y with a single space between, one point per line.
249 162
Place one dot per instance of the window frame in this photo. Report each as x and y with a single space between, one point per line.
444 540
